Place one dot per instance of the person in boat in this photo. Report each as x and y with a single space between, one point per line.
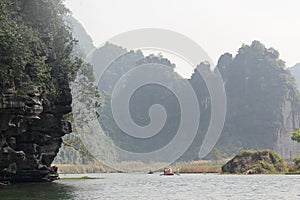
168 171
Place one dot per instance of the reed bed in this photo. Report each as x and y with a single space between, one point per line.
198 166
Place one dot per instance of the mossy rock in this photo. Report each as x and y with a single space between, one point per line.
255 162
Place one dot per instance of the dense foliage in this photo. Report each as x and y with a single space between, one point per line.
296 135
35 44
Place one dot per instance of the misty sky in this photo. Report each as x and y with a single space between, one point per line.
217 26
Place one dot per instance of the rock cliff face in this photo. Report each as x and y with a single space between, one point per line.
286 147
295 71
30 132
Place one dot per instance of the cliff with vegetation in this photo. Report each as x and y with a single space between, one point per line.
36 65
263 101
73 151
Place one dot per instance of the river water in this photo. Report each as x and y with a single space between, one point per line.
144 186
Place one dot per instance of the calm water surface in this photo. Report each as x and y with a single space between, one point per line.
144 186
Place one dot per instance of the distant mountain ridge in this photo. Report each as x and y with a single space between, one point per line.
258 89
84 41
261 96
296 73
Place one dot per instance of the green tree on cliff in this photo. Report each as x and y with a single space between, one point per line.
296 135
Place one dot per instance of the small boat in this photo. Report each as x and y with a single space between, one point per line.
150 172
168 171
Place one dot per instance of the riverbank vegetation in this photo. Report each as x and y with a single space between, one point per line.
245 162
295 168
256 162
199 166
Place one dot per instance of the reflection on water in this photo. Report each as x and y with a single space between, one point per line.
143 186
37 191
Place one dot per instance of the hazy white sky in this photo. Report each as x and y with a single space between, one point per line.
218 26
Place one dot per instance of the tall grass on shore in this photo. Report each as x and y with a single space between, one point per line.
199 166
83 169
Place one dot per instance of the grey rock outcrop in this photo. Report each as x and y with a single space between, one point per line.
31 129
